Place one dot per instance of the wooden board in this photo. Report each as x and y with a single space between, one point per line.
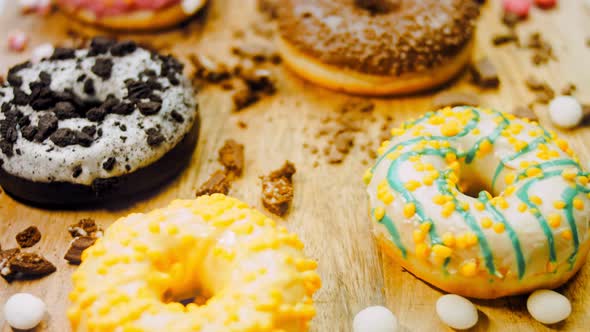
330 207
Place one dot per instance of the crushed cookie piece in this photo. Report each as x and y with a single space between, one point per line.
5 256
257 53
209 70
455 98
525 112
569 89
277 189
504 38
242 125
243 98
231 156
218 183
485 73
28 237
23 265
84 227
77 246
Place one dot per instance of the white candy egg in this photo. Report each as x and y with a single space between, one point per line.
24 311
565 111
191 6
456 311
548 307
375 319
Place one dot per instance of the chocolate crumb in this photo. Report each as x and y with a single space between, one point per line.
243 98
177 116
525 112
61 53
257 53
89 87
209 70
231 156
28 237
277 189
504 38
569 89
485 73
47 125
100 45
123 48
26 266
242 125
154 137
103 68
77 171
84 227
218 183
78 245
109 164
149 108
452 98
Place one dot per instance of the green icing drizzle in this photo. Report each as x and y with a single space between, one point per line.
393 232
568 196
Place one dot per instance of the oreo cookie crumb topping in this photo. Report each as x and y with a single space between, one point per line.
89 130
12 78
102 68
20 97
123 48
47 126
109 164
65 110
89 87
149 108
100 45
123 109
154 137
29 132
76 171
177 116
62 53
65 137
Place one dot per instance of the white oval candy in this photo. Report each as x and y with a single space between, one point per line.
24 311
190 7
565 112
548 307
456 311
375 319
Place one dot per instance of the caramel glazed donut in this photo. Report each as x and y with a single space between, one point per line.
253 273
377 47
132 14
103 123
529 231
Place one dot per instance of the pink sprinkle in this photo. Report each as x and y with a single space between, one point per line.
17 41
519 7
546 4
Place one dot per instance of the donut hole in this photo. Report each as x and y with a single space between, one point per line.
472 187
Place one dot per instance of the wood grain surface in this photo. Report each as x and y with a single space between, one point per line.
329 211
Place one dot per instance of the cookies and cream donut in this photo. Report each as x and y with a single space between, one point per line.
132 14
93 124
480 203
377 47
245 273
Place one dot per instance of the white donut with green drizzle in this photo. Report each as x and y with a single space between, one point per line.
529 230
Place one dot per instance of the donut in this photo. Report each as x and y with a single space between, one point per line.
480 203
98 124
245 273
378 47
131 14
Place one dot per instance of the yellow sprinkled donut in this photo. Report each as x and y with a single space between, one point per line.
525 225
251 274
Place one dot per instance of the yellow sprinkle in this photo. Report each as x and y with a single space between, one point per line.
397 131
486 222
583 180
422 250
425 226
559 204
510 177
509 190
379 213
412 185
562 144
480 206
554 220
154 227
471 239
536 199
448 209
578 204
442 251
476 131
367 176
448 239
567 234
439 199
569 174
525 164
522 207
469 269
450 157
499 228
409 210
485 146
450 128
419 235
533 171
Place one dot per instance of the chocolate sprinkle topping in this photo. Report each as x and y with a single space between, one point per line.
61 53
102 68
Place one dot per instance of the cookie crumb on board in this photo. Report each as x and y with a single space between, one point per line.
218 183
77 246
28 237
231 156
485 74
525 112
277 189
17 265
85 227
455 98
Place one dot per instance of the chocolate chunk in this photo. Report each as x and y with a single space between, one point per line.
65 110
485 74
525 112
231 156
123 48
28 265
100 45
569 89
177 116
8 130
96 114
20 97
209 70
137 90
45 78
277 189
102 68
154 137
47 125
259 80
243 98
123 109
29 132
170 66
64 137
218 183
78 245
61 53
77 171
502 39
24 121
81 78
450 98
12 77
29 237
149 108
89 87
89 130
257 53
378 6
6 148
109 164
84 227
5 257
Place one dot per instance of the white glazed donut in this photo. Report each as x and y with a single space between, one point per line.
253 273
529 230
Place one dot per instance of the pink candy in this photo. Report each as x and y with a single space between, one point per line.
17 41
518 7
546 3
